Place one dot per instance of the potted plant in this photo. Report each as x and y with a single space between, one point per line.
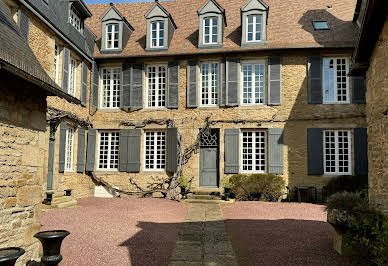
49 197
68 192
183 184
227 188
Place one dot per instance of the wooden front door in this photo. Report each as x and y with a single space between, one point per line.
209 159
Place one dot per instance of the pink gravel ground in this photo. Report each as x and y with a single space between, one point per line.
281 234
117 231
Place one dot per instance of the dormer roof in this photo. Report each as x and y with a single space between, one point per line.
255 5
82 8
211 6
158 10
112 13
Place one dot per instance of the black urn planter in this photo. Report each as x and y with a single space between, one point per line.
68 192
227 191
9 256
51 242
183 192
49 198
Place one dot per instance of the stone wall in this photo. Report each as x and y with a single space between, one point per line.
23 145
377 104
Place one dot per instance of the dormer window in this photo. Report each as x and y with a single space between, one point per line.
157 39
254 23
112 36
210 30
75 19
254 28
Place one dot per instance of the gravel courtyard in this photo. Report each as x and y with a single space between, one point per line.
144 232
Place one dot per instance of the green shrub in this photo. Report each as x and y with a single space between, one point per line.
183 181
349 184
265 187
347 201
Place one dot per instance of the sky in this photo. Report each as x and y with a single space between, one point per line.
115 1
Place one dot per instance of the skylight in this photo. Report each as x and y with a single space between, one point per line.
321 25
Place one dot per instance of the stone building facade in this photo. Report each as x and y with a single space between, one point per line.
370 60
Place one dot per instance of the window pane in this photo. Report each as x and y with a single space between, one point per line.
328 80
155 150
157 80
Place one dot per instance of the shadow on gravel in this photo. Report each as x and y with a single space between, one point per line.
255 242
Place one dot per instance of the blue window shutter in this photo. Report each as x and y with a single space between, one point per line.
95 85
84 83
65 69
24 24
91 150
315 151
275 80
173 85
361 151
358 90
315 79
232 82
172 150
125 93
222 89
192 85
123 150
231 151
134 141
136 93
275 151
62 146
81 151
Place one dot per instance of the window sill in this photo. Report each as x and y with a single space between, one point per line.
155 108
327 103
253 43
335 174
154 171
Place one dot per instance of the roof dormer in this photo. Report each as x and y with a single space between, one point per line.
212 22
78 12
115 31
254 23
160 28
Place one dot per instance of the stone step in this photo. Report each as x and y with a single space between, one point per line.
67 204
204 197
208 201
61 199
208 191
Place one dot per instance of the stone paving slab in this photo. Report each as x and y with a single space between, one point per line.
202 239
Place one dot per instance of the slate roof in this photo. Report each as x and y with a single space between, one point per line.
289 25
18 58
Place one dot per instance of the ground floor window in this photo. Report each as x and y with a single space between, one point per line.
69 149
253 151
337 152
108 151
155 150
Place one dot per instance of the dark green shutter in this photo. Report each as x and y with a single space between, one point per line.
91 150
134 141
173 85
275 150
95 82
172 150
125 94
231 151
192 95
232 83
315 79
62 146
24 24
84 83
65 69
275 80
81 151
361 151
358 90
222 94
123 150
50 169
315 151
137 87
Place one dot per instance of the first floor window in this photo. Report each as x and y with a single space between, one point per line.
108 158
112 36
56 63
73 77
335 80
209 84
253 83
69 149
156 78
210 30
254 28
157 34
253 151
337 152
155 150
111 84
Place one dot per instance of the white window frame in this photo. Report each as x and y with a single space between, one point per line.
209 84
73 66
111 84
158 38
157 106
253 62
211 19
69 149
57 52
111 36
255 31
337 152
335 81
109 168
254 154
154 168
75 19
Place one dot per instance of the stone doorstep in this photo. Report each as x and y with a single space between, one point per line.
203 197
61 199
208 201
